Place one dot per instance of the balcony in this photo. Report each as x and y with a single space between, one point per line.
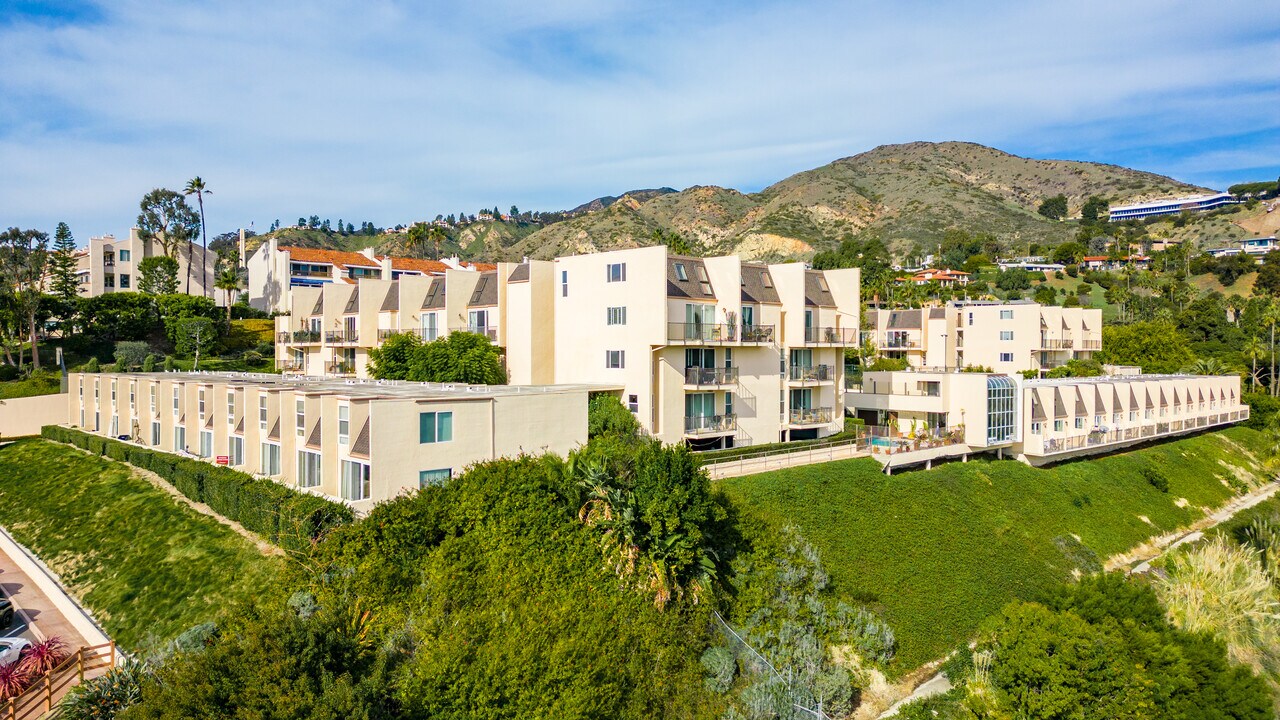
1058 344
1053 446
830 336
899 343
304 337
291 365
489 331
340 368
811 374
810 416
699 425
341 337
1090 345
384 333
711 333
704 377
427 335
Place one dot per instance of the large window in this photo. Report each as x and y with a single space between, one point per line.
1004 315
434 477
235 451
270 459
155 433
1000 408
430 326
435 427
308 469
300 416
615 359
206 443
616 316
179 439
262 412
200 404
231 407
1006 334
176 392
616 272
355 480
123 255
344 424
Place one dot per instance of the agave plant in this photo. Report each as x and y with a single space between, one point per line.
14 679
44 656
102 698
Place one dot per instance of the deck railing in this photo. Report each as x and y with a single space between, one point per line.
38 699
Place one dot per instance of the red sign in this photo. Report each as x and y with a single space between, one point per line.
224 460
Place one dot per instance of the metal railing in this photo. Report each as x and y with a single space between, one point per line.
830 336
933 390
710 424
426 334
1090 345
384 333
701 332
1051 344
39 698
890 440
899 344
809 416
340 368
305 336
342 337
1150 430
757 333
710 376
489 331
290 365
811 373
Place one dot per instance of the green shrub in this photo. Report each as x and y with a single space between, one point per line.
168 363
149 364
8 372
91 366
1157 479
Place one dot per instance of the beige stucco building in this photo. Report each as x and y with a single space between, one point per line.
353 441
1043 420
1005 337
111 265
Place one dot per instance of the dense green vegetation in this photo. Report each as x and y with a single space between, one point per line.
462 357
938 551
145 565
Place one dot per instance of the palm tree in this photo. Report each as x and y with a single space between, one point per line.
1207 366
437 235
1270 316
196 186
229 282
1253 350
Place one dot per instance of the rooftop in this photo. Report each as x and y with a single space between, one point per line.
1170 201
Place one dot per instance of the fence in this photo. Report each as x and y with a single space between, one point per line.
38 699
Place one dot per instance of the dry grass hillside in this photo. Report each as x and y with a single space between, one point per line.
908 193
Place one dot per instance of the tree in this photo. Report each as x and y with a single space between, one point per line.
228 281
1045 295
436 236
197 187
606 415
515 212
391 360
62 266
1093 209
193 335
24 256
168 220
1268 279
130 354
178 307
158 275
1054 208
119 316
1155 346
1069 253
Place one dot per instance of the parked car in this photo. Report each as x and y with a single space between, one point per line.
6 612
11 649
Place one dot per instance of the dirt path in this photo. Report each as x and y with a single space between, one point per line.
263 546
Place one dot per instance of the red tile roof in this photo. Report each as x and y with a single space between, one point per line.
414 264
332 257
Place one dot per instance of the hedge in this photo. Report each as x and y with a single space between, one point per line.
290 519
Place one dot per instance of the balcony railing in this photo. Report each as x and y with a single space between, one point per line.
340 368
710 376
1090 345
830 336
757 333
327 274
291 365
710 424
1149 430
810 416
896 343
341 337
384 333
489 331
701 332
305 336
811 373
1056 344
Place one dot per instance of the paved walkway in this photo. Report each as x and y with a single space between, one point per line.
33 605
749 465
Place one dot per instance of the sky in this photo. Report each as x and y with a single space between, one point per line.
397 111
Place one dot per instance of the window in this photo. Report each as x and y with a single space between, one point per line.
97 389
766 279
1006 334
1079 423
153 398
200 404
123 256
970 318
270 459
115 426
1006 357
308 469
427 478
683 275
1035 428
113 393
235 451
231 407
1059 425
1097 421
300 416
179 439
616 316
206 443
175 399
728 404
109 281
133 396
430 327
355 480
1004 315
616 272
564 283
1000 408
1133 415
615 359
633 403
124 280
155 434
1147 414
262 412
435 427
478 321
344 424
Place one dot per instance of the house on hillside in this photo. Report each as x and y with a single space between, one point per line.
944 277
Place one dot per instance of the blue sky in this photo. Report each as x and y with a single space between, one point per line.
395 111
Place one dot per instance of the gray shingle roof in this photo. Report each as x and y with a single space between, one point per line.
904 320
696 286
486 292
391 302
519 274
313 440
816 292
353 302
275 431
757 285
361 445
319 308
435 295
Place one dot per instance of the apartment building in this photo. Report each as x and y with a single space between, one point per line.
713 352
275 269
329 328
111 265
1041 420
352 441
1175 206
1005 337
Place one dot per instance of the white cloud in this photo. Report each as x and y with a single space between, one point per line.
391 111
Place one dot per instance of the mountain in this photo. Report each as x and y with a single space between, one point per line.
601 203
908 194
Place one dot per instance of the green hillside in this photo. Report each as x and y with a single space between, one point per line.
907 193
938 551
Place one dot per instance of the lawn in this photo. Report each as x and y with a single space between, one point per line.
41 384
938 551
146 566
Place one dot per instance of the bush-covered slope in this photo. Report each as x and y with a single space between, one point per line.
938 551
